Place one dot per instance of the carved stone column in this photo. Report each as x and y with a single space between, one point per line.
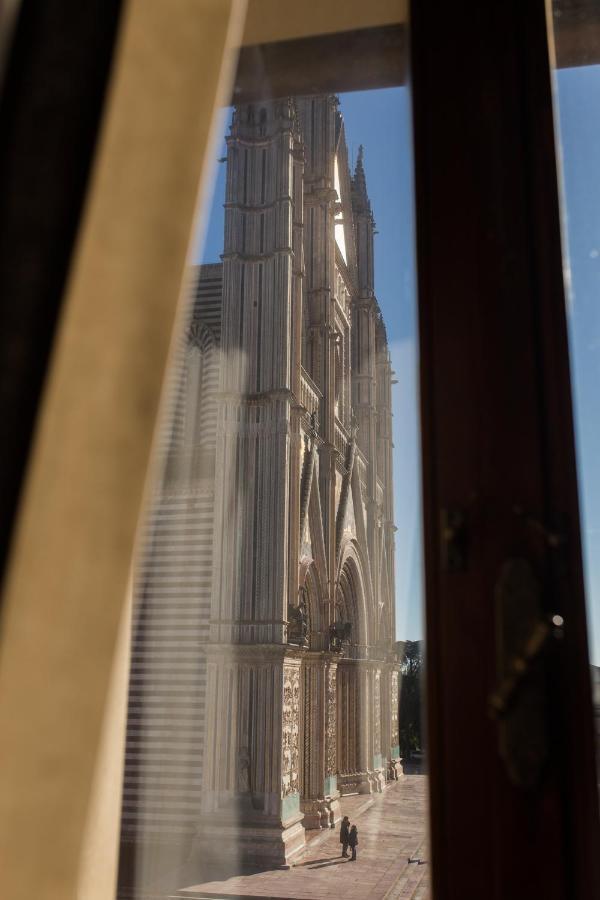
290 741
378 763
395 723
330 787
346 724
331 730
395 713
250 779
353 727
320 796
365 747
386 714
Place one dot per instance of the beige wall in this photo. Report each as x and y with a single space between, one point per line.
100 838
274 20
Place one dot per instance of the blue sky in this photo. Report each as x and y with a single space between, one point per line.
578 101
380 120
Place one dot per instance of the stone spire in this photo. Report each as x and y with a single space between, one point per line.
360 198
359 181
364 226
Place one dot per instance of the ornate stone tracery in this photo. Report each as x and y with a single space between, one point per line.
377 718
331 738
394 710
290 731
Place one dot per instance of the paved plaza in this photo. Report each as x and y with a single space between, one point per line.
392 830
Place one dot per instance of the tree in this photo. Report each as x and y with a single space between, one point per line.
411 668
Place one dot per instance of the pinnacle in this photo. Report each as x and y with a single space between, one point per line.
359 181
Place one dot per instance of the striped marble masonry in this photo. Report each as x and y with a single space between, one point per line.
208 297
191 382
173 581
204 344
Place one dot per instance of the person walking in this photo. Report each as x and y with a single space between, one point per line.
353 841
345 828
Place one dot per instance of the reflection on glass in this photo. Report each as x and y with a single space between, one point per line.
577 95
271 699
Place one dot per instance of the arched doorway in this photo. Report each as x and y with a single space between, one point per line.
356 726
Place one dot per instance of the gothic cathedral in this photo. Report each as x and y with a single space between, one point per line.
264 684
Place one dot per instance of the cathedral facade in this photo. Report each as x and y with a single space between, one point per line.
264 683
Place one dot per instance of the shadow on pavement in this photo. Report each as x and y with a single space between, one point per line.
314 862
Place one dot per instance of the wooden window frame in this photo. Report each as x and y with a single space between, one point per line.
467 228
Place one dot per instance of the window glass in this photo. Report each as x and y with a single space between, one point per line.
576 35
274 730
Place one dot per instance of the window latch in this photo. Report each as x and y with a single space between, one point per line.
519 703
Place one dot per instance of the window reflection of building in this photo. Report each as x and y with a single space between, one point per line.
263 653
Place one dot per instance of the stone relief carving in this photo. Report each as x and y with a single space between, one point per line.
331 722
290 781
394 710
377 712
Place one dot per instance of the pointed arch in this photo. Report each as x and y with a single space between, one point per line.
310 584
385 600
317 535
202 378
354 597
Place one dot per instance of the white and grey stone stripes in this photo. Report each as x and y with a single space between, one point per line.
172 594
193 379
163 767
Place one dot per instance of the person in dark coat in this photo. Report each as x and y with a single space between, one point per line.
353 841
345 828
